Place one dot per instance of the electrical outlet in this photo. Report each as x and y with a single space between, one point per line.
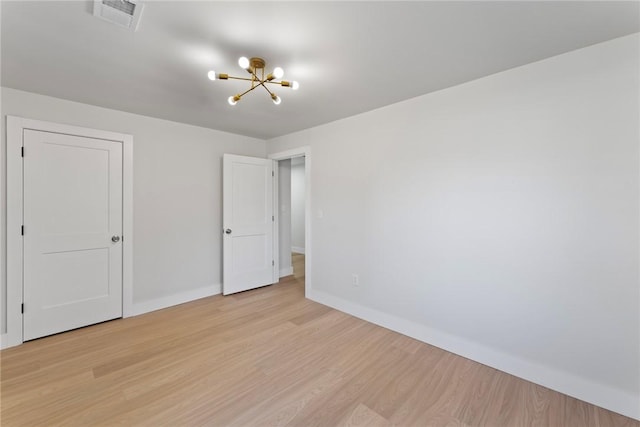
355 280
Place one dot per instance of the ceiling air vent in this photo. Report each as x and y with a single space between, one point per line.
125 13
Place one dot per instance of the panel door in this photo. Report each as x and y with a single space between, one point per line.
248 260
72 232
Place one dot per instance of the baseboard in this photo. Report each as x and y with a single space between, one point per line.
297 249
153 305
3 341
561 381
288 271
171 300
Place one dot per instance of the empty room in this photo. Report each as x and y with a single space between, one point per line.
320 213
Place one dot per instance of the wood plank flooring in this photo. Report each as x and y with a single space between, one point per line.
266 357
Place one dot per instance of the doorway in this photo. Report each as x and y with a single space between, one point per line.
291 206
70 228
294 214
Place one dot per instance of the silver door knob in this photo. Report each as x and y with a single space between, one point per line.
228 231
115 239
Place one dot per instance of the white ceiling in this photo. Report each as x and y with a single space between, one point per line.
349 57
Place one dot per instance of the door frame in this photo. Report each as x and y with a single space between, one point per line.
15 185
289 154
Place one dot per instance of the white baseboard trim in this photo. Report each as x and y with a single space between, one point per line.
153 305
288 271
171 300
598 394
3 341
297 249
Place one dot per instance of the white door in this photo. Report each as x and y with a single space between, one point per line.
247 218
72 232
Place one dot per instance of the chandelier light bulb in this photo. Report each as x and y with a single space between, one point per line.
232 100
276 99
212 75
278 73
295 85
243 62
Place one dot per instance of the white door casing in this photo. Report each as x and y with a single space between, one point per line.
73 229
248 223
16 128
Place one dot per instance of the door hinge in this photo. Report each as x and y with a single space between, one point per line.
273 262
22 230
273 173
22 308
21 151
273 218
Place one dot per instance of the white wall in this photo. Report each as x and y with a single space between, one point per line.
177 194
498 219
284 217
297 205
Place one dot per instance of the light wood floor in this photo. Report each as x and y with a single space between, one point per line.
261 358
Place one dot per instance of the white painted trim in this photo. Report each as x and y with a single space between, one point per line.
127 226
3 200
289 154
15 129
598 394
286 271
13 334
276 227
297 249
171 300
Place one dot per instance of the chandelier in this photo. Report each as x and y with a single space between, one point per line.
255 67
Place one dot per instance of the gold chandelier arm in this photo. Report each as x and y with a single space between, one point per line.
255 83
266 88
254 77
239 78
248 90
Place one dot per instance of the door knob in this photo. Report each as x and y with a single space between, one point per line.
228 231
115 239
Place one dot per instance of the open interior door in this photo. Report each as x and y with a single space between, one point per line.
247 218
